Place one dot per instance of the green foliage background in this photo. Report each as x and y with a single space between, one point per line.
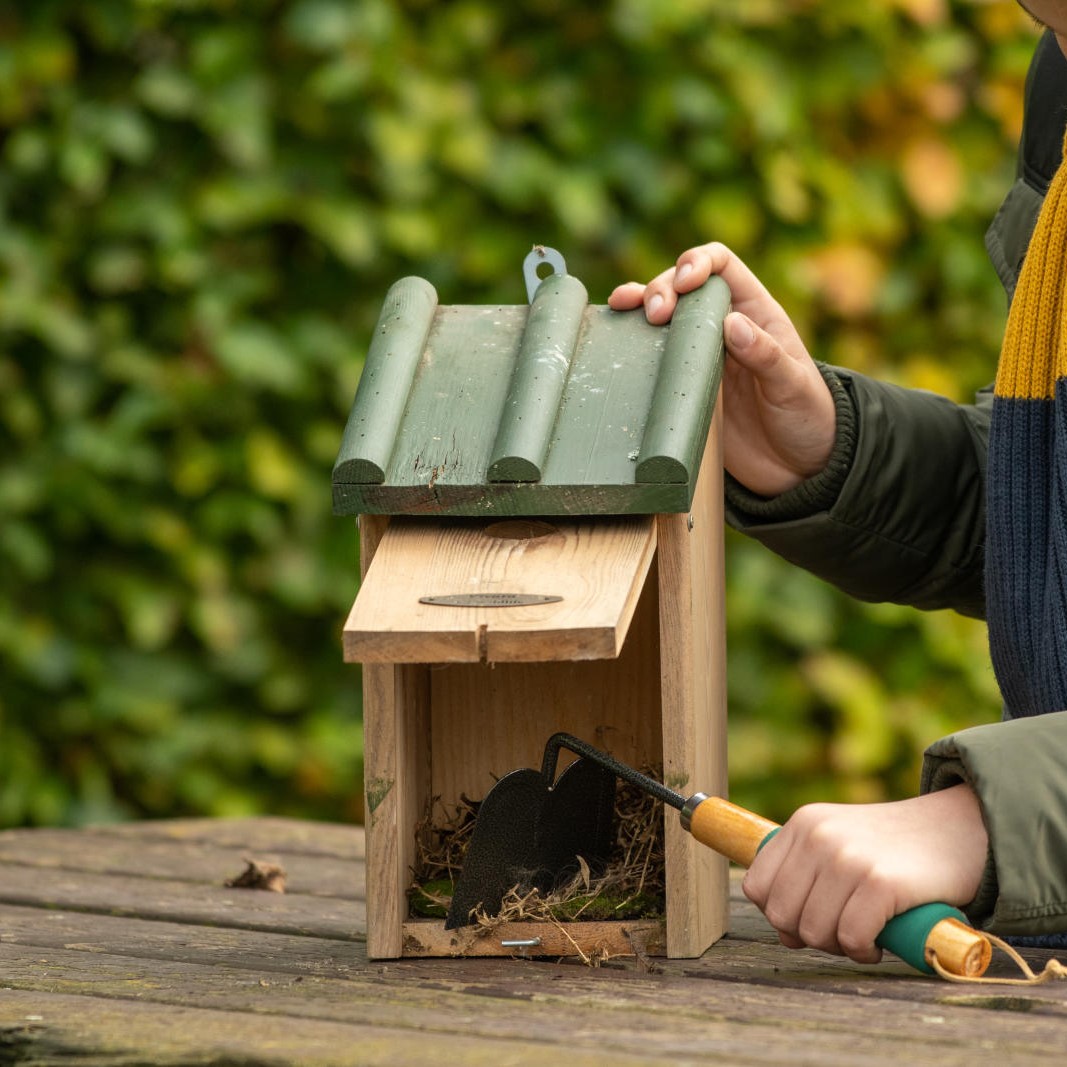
202 203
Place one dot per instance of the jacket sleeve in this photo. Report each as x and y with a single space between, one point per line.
900 515
903 519
1018 769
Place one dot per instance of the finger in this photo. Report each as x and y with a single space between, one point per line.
820 917
626 297
760 876
693 268
781 885
862 919
746 290
788 898
658 296
759 352
661 298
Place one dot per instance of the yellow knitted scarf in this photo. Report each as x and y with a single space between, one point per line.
1034 354
1026 485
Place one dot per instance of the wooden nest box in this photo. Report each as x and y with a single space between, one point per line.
540 498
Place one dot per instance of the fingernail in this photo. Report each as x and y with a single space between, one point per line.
683 272
654 305
741 334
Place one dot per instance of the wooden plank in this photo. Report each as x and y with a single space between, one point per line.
597 567
181 860
396 776
192 943
268 953
52 1029
396 781
511 499
693 665
256 833
300 955
591 941
604 410
454 406
605 1012
184 902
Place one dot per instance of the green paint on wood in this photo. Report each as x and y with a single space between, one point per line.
677 780
377 790
541 369
687 386
395 351
633 399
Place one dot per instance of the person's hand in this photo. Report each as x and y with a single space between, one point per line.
779 419
835 874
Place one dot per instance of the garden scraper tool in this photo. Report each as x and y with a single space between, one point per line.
530 832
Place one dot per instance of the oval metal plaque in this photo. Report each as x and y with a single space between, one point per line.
490 600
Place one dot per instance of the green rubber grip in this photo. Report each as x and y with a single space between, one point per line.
905 934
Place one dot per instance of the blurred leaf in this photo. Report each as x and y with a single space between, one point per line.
202 205
933 176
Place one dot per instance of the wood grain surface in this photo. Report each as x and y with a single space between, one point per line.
595 567
108 960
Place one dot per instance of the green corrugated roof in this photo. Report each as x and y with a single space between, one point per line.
554 408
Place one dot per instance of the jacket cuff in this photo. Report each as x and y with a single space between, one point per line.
817 493
1015 768
942 773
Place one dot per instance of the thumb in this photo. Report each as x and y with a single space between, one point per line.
739 331
762 355
753 347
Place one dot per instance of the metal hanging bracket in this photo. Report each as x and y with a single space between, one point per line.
539 255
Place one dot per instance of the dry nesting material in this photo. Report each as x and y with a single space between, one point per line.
631 885
259 874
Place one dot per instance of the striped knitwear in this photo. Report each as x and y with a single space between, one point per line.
1026 536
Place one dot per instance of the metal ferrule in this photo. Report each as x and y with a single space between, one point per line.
689 807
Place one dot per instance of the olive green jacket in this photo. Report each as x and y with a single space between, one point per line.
899 515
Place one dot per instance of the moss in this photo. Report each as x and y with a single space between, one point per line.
430 900
599 906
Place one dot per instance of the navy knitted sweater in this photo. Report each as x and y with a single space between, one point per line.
1026 551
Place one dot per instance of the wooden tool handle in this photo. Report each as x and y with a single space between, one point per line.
915 936
731 831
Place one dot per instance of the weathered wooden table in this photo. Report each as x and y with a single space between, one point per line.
121 945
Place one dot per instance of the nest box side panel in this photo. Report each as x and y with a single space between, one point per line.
560 408
396 773
693 664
